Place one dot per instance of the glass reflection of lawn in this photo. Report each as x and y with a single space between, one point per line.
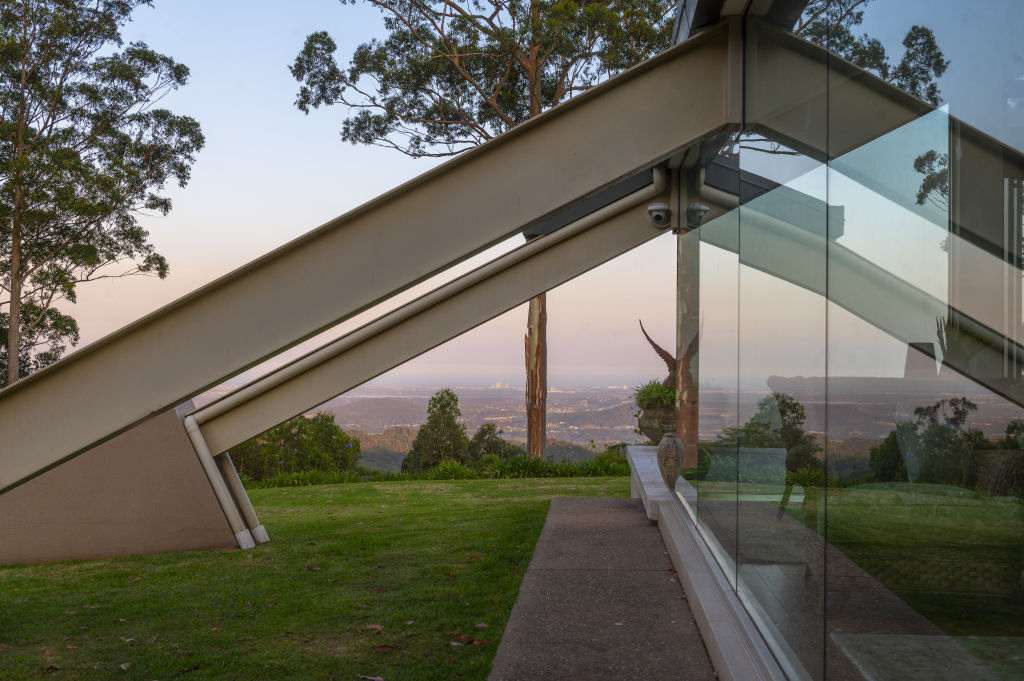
955 556
953 553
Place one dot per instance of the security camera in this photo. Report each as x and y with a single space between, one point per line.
695 213
659 214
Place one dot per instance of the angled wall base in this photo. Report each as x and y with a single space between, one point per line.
143 491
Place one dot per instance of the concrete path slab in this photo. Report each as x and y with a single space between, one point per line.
600 601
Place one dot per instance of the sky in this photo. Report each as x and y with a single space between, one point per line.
269 173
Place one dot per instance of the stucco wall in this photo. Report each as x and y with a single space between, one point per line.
141 492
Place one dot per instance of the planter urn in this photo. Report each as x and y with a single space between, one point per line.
670 459
654 422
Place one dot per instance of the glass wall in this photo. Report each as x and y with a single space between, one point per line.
861 478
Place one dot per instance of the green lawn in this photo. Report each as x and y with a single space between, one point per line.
402 580
956 556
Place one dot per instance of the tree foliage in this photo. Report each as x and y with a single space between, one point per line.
298 445
452 74
83 150
488 441
778 423
886 459
937 446
443 438
831 24
944 445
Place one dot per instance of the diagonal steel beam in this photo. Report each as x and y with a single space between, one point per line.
431 320
815 102
489 193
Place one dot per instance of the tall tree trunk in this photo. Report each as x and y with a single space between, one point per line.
537 319
536 377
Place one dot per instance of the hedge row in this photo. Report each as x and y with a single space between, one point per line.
609 463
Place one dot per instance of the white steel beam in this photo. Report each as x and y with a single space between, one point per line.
359 259
431 320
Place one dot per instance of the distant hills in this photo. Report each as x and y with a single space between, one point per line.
384 451
575 415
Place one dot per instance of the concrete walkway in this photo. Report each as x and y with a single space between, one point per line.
600 601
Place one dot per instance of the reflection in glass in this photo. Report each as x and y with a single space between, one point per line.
862 354
924 527
924 389
782 334
715 478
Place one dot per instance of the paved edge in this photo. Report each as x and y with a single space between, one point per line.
600 600
737 649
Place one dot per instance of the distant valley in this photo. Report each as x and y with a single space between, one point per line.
583 420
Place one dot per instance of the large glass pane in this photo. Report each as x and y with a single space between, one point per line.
715 481
925 466
783 218
781 399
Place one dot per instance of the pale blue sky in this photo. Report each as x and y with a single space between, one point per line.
270 173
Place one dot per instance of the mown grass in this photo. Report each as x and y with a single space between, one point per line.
390 580
952 554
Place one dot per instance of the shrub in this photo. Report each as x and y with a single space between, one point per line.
372 475
806 477
700 471
654 394
608 463
305 478
448 470
490 466
298 445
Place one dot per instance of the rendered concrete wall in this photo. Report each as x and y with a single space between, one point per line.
141 492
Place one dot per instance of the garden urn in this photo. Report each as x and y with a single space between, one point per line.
670 457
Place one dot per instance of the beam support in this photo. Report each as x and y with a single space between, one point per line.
424 324
637 119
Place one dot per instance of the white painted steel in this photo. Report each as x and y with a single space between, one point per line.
500 264
241 497
430 320
227 504
631 122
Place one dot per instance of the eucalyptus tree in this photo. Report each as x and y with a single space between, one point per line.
831 24
84 149
452 74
